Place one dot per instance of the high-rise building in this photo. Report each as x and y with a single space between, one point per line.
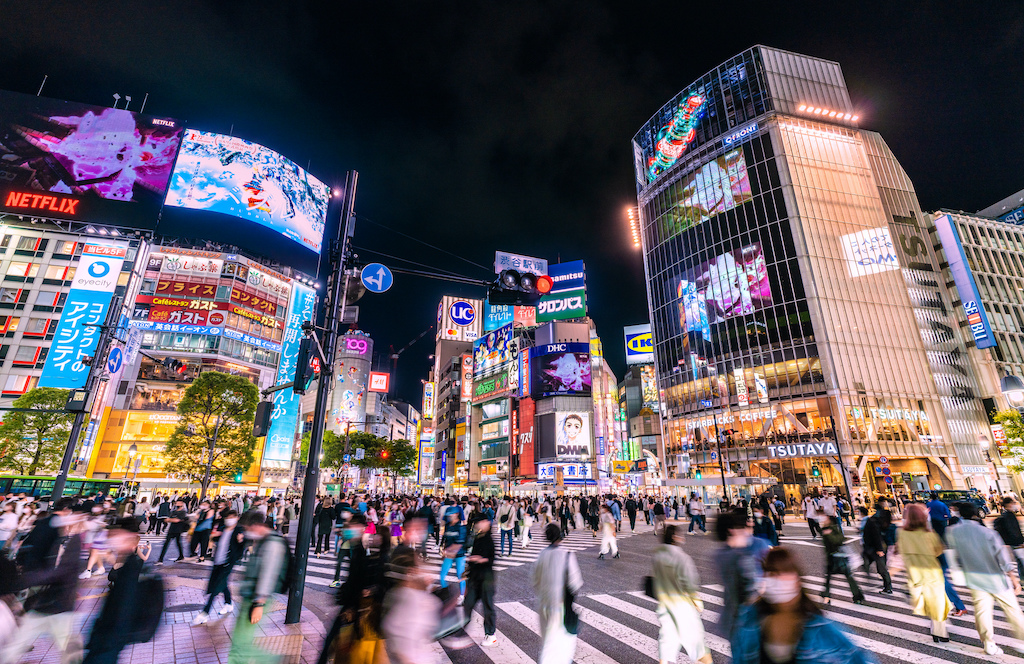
798 306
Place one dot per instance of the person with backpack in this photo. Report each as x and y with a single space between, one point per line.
877 540
810 507
631 508
111 632
506 524
265 574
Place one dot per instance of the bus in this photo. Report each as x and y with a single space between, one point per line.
39 486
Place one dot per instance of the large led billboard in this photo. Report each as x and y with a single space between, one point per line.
493 350
717 186
734 283
62 160
246 180
560 369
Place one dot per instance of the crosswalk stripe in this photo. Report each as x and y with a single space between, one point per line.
883 648
439 653
505 652
712 641
642 643
585 653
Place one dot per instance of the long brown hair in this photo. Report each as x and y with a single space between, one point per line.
781 561
915 517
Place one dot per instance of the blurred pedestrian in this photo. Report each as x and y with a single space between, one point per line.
481 577
506 524
989 570
608 543
876 545
178 520
226 554
739 564
411 613
263 577
200 540
453 551
938 513
676 586
920 549
785 625
556 577
837 561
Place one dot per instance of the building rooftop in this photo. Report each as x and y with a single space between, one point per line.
1007 205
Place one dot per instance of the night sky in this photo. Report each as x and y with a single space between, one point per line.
482 125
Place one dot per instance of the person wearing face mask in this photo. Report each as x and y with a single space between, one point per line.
739 564
109 635
351 536
785 627
226 554
764 528
676 584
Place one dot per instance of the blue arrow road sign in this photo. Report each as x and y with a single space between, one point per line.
114 360
376 277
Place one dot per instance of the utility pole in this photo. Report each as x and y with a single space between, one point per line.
339 258
98 360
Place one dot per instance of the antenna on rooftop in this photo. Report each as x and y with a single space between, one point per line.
117 98
45 76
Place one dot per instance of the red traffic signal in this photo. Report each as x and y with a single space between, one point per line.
384 454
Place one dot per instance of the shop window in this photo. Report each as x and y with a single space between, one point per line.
59 272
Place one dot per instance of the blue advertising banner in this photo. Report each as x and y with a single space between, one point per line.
568 276
497 315
977 320
86 306
284 418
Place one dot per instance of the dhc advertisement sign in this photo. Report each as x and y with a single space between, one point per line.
977 320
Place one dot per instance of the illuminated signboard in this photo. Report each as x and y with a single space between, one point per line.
466 377
562 306
639 344
490 387
739 135
719 185
870 251
242 179
492 351
257 302
562 368
63 160
673 139
379 381
732 284
459 319
284 417
84 311
186 289
977 319
428 401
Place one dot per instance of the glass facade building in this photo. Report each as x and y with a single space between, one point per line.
796 299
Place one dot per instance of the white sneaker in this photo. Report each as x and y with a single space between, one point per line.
491 640
202 618
461 599
101 571
85 575
992 649
227 608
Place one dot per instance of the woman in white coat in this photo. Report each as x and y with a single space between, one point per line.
527 523
676 584
556 568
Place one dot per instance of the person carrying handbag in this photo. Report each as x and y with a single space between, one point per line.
556 578
676 583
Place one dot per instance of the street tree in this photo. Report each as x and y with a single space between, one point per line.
1013 427
213 440
33 442
393 458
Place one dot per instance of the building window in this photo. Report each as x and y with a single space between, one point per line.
26 355
46 298
17 385
26 243
65 249
9 295
19 269
60 272
36 327
5 241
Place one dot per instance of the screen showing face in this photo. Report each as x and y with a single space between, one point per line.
561 373
246 180
732 284
719 185
84 153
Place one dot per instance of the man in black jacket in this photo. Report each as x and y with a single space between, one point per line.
179 524
39 542
481 576
876 548
631 508
163 510
1009 529
111 632
52 610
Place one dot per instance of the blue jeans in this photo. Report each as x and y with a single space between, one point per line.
698 520
951 593
510 535
460 567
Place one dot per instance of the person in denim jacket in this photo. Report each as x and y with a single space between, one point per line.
784 626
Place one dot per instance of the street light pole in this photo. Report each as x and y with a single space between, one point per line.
339 258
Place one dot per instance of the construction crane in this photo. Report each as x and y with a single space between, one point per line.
395 355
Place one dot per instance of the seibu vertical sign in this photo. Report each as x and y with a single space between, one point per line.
84 311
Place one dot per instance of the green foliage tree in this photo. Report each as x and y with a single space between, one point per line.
33 443
394 458
213 440
1013 427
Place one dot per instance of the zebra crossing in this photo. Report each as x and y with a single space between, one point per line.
320 570
623 627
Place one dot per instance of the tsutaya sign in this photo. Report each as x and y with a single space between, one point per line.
803 450
898 414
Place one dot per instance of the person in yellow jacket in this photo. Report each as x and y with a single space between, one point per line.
920 549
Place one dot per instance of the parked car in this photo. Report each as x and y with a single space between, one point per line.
950 496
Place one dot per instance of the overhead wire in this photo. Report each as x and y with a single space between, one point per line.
406 260
427 244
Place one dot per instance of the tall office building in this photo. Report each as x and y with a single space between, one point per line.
797 303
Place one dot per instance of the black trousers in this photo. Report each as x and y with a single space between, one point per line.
323 540
218 585
480 587
167 541
565 526
815 527
882 565
201 541
632 520
838 565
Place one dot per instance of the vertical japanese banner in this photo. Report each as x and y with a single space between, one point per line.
87 303
284 418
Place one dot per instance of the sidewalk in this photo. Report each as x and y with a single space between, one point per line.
179 642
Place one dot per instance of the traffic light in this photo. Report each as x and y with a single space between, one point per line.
238 477
697 473
261 422
384 454
175 366
303 372
815 471
514 287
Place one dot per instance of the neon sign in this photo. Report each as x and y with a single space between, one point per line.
676 136
356 346
47 202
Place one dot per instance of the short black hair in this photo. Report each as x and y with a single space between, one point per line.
732 520
969 510
669 536
553 532
1009 500
251 518
64 503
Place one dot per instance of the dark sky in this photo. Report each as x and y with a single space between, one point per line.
506 125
